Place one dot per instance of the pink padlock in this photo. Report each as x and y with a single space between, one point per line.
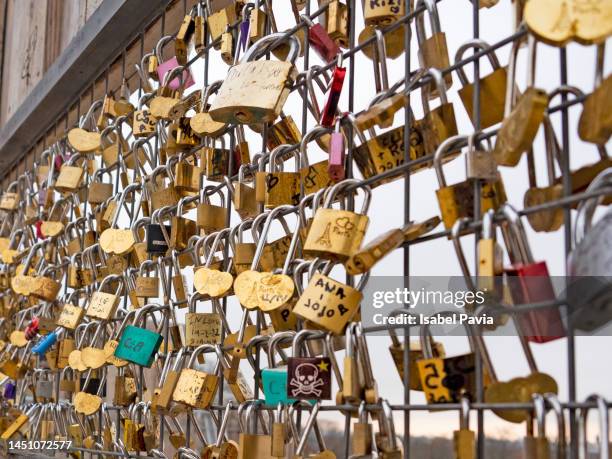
165 67
335 167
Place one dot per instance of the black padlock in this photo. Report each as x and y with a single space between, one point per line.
156 242
93 386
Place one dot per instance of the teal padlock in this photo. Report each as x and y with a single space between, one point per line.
274 381
138 345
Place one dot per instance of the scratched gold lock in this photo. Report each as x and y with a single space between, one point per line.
255 91
336 234
439 123
195 388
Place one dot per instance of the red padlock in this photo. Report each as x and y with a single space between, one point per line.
38 225
31 331
335 89
319 39
335 165
529 282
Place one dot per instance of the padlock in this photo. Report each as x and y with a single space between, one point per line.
492 87
438 124
603 420
284 131
321 42
183 36
433 51
211 217
243 196
102 305
588 263
218 20
139 345
181 228
143 122
530 282
274 377
99 191
335 21
313 177
337 152
217 160
308 378
517 390
415 353
281 187
480 163
537 447
490 259
361 440
464 439
378 13
330 108
548 220
523 114
164 67
595 124
222 447
196 388
252 445
202 123
147 285
457 201
312 424
329 304
270 80
158 234
368 255
336 234
386 439
446 379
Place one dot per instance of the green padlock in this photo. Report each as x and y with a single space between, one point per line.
139 345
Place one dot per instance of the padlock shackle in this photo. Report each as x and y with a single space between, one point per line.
553 401
446 148
458 226
301 337
478 45
517 235
271 42
313 134
434 20
426 337
604 422
586 208
273 345
255 341
438 79
277 211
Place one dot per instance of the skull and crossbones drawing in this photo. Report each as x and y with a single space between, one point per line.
306 380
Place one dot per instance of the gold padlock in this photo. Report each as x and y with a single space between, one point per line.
336 234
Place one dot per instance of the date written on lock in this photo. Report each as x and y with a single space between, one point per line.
138 345
202 328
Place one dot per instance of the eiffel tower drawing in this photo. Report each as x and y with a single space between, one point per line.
324 239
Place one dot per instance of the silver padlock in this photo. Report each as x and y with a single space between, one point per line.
589 294
44 385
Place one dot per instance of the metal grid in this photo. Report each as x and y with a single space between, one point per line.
401 171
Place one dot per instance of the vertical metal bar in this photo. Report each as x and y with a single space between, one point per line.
480 447
406 250
567 220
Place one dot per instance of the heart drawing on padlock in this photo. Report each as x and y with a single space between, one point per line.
274 290
117 241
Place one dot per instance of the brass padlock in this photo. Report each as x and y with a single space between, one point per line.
438 124
211 217
457 201
336 234
492 87
433 51
255 91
